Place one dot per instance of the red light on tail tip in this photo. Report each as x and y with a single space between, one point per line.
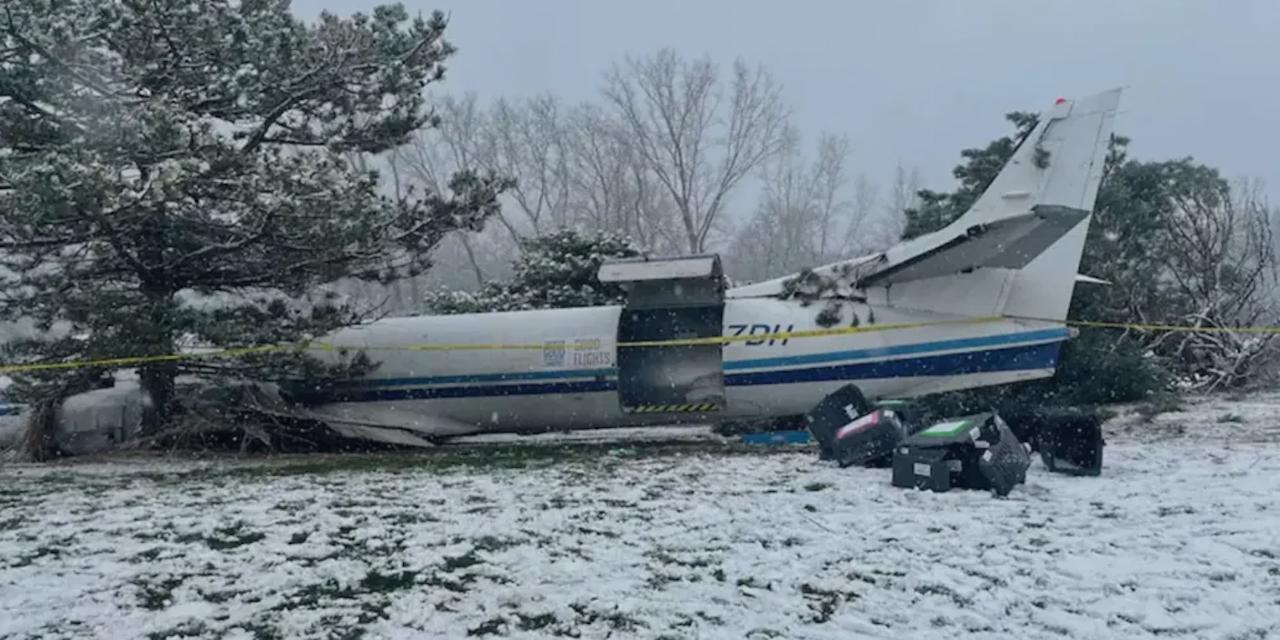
1060 101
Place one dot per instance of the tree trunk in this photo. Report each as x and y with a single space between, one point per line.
415 294
158 379
397 297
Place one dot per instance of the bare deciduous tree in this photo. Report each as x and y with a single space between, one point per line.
810 211
903 194
527 138
699 135
612 187
1222 261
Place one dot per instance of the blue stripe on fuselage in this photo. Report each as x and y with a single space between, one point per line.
997 356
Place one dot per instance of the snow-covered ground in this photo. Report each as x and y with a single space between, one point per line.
1180 538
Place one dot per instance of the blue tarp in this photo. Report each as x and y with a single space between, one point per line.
777 437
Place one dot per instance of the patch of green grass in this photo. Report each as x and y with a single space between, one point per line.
194 629
824 602
148 555
1160 404
156 593
377 582
232 536
492 626
946 592
43 551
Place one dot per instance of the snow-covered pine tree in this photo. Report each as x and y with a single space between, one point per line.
155 152
553 271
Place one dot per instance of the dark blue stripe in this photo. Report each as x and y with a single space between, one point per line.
901 349
1018 358
1021 358
568 375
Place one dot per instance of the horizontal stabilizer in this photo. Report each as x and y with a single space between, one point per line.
1080 277
1007 243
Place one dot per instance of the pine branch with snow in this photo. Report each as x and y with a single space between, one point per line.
554 271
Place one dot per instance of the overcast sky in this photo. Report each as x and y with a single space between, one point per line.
915 80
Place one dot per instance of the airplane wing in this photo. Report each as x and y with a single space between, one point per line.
385 435
776 286
380 423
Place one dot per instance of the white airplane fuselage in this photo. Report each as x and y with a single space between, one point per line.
1014 255
466 391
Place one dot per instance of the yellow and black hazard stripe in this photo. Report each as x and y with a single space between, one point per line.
699 407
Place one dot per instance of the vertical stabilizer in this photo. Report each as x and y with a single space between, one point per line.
1077 145
1059 164
1017 250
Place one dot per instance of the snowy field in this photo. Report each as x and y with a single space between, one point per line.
1180 538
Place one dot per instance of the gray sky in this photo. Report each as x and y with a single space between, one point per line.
914 80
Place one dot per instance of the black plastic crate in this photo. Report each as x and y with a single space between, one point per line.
924 468
978 452
835 411
868 440
1073 448
1069 440
961 432
1005 461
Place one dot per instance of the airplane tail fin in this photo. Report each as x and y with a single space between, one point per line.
1058 165
1017 250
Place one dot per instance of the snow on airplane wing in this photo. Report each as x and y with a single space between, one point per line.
775 286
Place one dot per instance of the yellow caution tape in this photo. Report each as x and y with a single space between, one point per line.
759 337
1169 328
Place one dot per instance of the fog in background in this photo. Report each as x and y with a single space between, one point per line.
875 99
906 84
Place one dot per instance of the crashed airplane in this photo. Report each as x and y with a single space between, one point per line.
979 303
982 302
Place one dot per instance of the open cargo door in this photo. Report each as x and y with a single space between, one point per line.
670 299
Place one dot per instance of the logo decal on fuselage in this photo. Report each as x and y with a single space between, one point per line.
583 352
553 353
588 352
